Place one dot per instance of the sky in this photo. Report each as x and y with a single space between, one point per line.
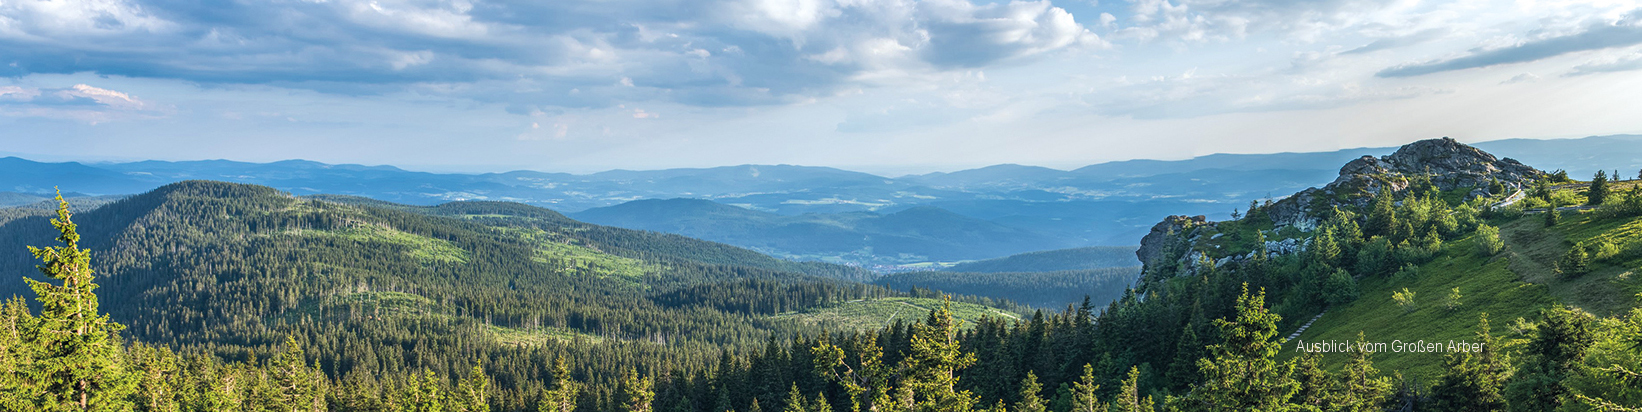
881 86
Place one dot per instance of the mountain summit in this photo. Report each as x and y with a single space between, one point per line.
1441 165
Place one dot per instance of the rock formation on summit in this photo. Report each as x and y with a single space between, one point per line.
1447 164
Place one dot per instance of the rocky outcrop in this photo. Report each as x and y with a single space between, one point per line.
1153 245
1448 164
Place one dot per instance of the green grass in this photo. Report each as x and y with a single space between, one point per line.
537 337
422 248
1486 283
386 305
877 313
571 257
1515 284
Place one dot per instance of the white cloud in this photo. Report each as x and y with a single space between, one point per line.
1521 78
79 102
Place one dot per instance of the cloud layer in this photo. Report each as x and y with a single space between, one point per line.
629 83
563 53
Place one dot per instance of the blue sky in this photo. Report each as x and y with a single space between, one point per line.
886 86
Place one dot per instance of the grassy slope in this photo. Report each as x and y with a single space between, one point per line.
385 305
877 313
1514 284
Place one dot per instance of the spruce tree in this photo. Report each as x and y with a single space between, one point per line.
562 396
1359 388
419 393
1128 396
795 401
473 393
1382 217
1473 381
930 370
1031 398
1558 344
1315 383
820 403
1598 192
298 387
1084 391
1243 373
16 357
159 381
636 393
77 363
867 381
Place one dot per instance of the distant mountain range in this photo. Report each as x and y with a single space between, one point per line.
808 212
914 234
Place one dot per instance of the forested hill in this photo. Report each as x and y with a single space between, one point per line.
643 242
377 289
393 305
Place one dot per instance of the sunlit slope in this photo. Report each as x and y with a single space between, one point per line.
1516 283
871 314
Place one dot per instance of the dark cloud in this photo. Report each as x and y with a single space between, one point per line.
1596 37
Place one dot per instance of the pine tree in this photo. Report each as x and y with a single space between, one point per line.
1128 396
1031 398
78 364
636 393
1359 388
562 396
1243 374
1473 381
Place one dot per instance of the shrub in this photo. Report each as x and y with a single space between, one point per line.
1340 288
1453 299
1574 263
1405 299
1408 273
1488 240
